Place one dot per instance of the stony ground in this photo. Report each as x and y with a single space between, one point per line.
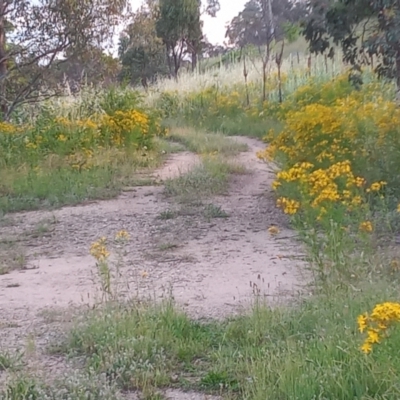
211 256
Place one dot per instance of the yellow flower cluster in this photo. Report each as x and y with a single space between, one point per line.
332 137
74 142
322 187
376 186
99 250
122 235
366 226
7 128
123 123
289 206
377 323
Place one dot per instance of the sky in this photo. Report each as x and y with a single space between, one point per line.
214 28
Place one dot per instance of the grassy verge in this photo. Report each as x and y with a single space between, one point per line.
201 142
210 177
309 351
53 186
79 152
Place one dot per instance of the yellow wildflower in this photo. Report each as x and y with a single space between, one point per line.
376 186
289 206
366 347
122 235
377 323
373 336
99 250
273 230
362 322
366 226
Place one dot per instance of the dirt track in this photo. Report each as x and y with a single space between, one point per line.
208 264
211 265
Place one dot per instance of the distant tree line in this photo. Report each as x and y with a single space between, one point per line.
47 44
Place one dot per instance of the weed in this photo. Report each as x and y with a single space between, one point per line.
167 246
213 211
167 214
9 361
12 255
22 388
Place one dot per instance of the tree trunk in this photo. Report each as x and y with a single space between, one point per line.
144 83
398 75
168 60
3 61
245 74
264 83
194 61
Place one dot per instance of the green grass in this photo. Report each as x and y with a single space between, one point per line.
201 142
213 211
74 387
308 351
210 177
56 186
9 361
234 124
305 352
243 125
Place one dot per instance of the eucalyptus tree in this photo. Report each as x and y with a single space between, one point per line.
37 34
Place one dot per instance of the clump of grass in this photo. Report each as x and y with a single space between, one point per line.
167 214
210 177
12 256
309 351
77 385
213 211
22 387
201 142
149 343
9 361
167 246
166 146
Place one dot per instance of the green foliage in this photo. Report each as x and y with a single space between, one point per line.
22 388
59 160
116 99
250 26
179 26
28 55
362 28
141 52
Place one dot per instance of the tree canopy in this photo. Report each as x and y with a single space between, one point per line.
141 51
44 33
362 29
253 27
179 27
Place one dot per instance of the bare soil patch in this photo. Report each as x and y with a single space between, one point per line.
208 260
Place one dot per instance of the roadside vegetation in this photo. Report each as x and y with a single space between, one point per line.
335 145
